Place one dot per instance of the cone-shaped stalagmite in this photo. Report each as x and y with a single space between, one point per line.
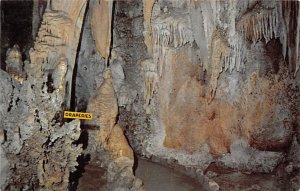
104 107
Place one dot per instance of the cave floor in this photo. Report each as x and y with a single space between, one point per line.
92 179
154 176
159 178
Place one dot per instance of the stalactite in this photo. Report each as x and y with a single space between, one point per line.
220 51
147 9
260 22
209 26
248 22
101 26
150 79
173 32
197 24
275 20
168 33
265 20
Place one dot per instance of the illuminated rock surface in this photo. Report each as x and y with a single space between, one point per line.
209 88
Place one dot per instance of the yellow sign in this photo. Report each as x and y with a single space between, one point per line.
77 115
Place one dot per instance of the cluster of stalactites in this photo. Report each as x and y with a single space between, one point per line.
174 32
230 23
280 19
291 38
51 35
260 21
169 32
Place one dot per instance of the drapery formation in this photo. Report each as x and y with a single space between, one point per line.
203 19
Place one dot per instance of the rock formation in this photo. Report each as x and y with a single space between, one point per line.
227 74
14 63
109 140
150 78
39 147
210 88
102 32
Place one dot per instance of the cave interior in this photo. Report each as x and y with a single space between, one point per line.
162 95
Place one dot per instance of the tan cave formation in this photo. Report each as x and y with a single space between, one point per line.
183 94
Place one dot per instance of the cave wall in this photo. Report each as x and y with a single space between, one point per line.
196 82
218 82
202 82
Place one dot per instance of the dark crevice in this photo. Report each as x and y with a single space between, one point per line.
273 51
17 100
112 28
73 99
83 139
36 116
49 83
16 27
5 135
58 118
11 99
82 161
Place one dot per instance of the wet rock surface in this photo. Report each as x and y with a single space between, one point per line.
153 176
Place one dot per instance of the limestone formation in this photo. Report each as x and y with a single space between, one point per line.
172 31
14 63
59 74
224 70
105 109
59 35
220 51
147 10
109 139
150 79
102 11
38 150
210 88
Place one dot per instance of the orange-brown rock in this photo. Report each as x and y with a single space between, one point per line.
101 26
104 107
117 144
190 121
148 6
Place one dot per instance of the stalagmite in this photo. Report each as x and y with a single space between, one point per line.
110 138
59 74
38 136
14 63
105 108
